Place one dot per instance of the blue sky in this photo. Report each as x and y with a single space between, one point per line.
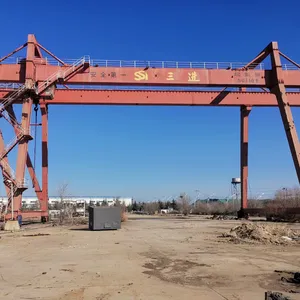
148 152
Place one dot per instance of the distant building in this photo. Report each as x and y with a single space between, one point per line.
166 211
32 201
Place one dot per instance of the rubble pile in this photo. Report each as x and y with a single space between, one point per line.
262 233
276 296
223 217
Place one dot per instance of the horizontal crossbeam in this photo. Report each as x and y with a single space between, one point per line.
169 98
90 97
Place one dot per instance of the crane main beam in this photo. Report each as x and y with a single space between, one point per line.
153 76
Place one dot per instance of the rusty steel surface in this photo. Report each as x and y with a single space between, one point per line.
258 86
44 111
158 77
284 107
29 215
200 98
244 139
168 98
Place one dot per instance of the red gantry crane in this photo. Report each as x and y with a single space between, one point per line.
47 80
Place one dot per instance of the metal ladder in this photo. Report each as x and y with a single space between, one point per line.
12 97
11 194
17 138
11 176
62 74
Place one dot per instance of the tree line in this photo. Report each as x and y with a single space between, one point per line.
159 205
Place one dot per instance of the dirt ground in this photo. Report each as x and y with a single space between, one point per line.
149 258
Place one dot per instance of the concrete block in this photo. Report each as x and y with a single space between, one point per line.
11 225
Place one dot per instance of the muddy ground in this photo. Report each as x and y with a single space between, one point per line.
149 258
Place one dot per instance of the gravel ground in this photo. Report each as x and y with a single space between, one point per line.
149 258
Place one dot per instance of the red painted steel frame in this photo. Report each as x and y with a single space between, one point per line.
151 77
44 203
201 98
35 70
245 111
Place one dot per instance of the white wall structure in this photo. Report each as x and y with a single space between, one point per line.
76 199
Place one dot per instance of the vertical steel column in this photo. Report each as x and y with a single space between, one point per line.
31 171
22 151
44 111
245 111
25 122
284 107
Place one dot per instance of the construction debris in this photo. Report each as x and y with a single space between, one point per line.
295 279
289 281
275 296
262 233
223 217
36 234
66 270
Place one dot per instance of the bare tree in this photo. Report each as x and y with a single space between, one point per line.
118 203
184 203
284 198
62 191
104 203
255 203
66 209
151 207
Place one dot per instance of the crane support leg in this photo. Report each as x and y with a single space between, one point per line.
30 168
44 111
30 73
23 150
284 107
245 111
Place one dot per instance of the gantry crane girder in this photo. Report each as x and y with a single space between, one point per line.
152 76
46 83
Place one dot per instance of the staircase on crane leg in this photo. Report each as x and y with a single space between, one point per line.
60 75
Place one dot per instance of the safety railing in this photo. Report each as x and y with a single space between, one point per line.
6 167
22 183
290 67
17 184
13 96
171 64
162 64
62 74
152 64
11 119
11 144
10 86
77 63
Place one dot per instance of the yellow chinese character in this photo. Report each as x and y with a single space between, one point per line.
140 75
170 76
193 76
